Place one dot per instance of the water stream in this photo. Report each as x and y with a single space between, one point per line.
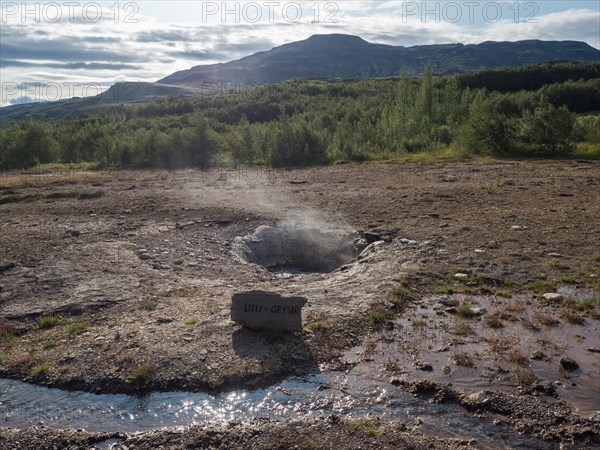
23 405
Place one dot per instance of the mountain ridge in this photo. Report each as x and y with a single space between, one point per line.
348 56
331 54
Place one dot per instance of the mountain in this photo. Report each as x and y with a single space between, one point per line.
122 92
346 56
320 56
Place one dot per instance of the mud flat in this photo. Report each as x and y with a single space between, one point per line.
121 283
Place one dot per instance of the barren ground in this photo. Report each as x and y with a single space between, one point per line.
121 282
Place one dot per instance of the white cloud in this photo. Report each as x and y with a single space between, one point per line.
572 24
172 37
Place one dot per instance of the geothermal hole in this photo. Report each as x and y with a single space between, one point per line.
299 250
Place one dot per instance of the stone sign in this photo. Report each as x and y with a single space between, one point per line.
262 310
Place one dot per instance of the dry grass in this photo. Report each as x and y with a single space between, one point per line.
573 318
462 359
493 321
462 328
517 357
546 320
516 305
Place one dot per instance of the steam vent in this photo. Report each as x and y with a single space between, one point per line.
298 249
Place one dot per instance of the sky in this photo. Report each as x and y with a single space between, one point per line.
60 49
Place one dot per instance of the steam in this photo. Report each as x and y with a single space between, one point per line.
299 246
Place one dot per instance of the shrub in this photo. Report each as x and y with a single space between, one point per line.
549 130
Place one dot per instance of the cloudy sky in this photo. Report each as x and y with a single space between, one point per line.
51 50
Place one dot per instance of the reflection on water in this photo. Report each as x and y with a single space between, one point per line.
23 405
435 337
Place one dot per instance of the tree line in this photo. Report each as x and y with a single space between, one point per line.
307 122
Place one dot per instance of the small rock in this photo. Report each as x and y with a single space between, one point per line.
424 366
389 305
395 381
67 359
517 228
479 311
449 302
6 265
404 241
461 275
569 364
411 242
145 256
589 349
478 250
538 356
554 255
117 335
545 387
164 320
553 296
202 354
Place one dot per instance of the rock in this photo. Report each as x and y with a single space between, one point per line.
202 354
264 310
395 381
424 366
461 275
389 305
68 359
478 250
412 243
553 297
381 234
145 256
164 320
554 255
517 228
449 302
74 233
6 265
372 237
545 387
589 349
478 311
538 356
568 364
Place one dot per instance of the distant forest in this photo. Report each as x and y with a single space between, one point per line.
544 110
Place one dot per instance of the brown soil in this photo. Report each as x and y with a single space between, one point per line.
136 272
